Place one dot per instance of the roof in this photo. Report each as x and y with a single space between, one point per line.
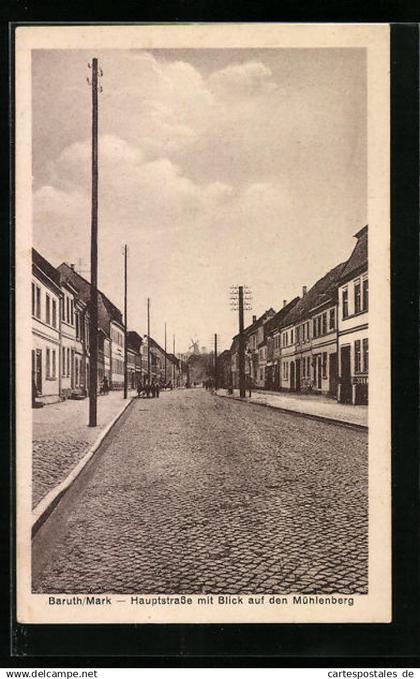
359 257
45 267
256 324
107 311
134 341
277 320
323 291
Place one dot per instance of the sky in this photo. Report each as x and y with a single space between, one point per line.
216 167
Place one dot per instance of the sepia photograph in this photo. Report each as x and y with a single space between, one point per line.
205 436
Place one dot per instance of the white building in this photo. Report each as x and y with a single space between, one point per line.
68 339
353 336
46 296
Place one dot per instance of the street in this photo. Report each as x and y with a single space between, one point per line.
192 493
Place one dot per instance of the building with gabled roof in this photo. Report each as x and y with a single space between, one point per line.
110 330
309 338
46 333
353 324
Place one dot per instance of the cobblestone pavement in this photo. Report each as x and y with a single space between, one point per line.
191 494
60 438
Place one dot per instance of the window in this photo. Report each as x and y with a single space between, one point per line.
308 330
47 363
298 334
365 294
54 313
303 367
37 302
54 365
332 319
318 329
68 362
77 325
72 312
68 310
33 299
365 355
291 337
47 309
357 364
345 302
314 328
63 360
324 365
63 309
324 324
308 366
357 298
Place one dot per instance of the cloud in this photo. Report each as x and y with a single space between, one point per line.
249 79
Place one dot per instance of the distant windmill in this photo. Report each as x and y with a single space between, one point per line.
195 346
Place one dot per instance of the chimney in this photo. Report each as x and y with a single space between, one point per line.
284 303
72 267
254 318
304 289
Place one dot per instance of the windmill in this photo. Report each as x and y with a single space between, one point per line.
195 346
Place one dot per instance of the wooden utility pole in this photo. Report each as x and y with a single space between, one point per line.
148 339
165 353
93 306
173 351
125 323
215 362
241 343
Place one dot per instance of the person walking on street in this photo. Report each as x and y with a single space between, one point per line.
157 389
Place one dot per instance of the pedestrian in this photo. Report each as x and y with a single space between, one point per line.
248 383
153 388
139 388
157 389
106 385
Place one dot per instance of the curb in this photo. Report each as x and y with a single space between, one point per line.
49 502
299 413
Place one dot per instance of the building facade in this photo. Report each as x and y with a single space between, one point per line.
353 325
46 333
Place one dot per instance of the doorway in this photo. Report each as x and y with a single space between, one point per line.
333 374
292 376
37 369
345 376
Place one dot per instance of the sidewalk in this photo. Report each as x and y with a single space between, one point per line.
307 404
61 437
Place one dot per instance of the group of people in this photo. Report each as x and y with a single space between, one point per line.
208 384
150 389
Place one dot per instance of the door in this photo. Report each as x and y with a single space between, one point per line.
292 376
345 376
319 371
333 375
38 370
298 375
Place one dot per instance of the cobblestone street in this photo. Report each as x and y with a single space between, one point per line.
61 437
191 493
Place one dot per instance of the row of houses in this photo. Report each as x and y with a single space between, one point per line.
60 339
317 342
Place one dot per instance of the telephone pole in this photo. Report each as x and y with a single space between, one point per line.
241 344
93 303
125 322
215 361
241 298
148 339
173 351
165 353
